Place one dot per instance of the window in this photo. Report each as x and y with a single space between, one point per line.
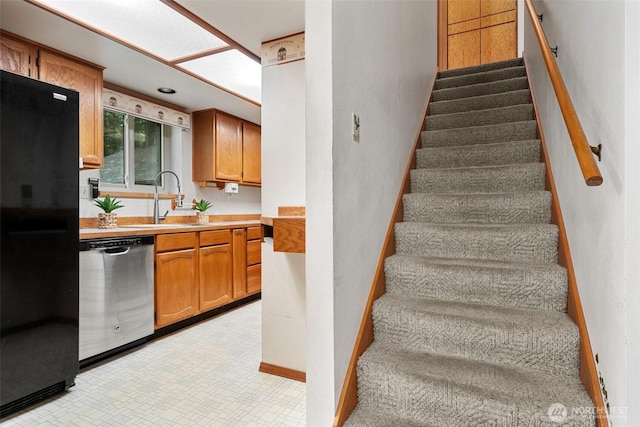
133 147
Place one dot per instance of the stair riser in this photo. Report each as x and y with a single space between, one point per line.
504 179
516 62
480 102
432 401
505 132
512 208
510 85
517 113
479 78
532 288
551 350
506 153
496 242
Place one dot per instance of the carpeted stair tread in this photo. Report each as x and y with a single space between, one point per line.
448 391
479 78
482 208
476 103
508 242
371 417
501 153
515 62
498 86
489 134
534 285
479 179
539 340
512 113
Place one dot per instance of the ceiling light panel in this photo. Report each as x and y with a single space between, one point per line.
147 24
230 69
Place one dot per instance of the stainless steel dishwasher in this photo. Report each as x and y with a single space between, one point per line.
116 295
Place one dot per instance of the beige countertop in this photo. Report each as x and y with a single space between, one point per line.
152 229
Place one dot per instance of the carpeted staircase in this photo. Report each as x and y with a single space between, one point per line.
472 329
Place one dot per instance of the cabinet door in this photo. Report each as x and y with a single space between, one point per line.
87 81
254 278
215 276
18 57
239 263
251 157
228 148
176 286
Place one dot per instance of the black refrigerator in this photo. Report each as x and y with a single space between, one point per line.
39 247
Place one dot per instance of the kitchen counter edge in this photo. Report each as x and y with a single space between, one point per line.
99 233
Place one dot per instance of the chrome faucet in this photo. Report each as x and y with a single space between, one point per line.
156 216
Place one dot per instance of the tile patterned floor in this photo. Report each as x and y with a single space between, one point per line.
204 375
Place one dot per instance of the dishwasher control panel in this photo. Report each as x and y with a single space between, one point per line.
87 245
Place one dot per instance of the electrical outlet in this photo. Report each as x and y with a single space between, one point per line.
85 192
231 187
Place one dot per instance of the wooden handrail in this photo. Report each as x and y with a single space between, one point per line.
579 141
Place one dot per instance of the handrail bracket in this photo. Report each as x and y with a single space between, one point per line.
597 151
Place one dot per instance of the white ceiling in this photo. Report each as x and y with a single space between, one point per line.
247 22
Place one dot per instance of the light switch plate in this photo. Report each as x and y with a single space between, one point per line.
85 192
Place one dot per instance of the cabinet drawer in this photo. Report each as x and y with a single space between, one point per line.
254 278
254 252
172 242
216 237
254 233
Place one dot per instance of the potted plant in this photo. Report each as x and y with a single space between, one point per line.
108 218
201 207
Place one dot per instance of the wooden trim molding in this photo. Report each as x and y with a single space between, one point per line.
588 371
291 211
443 42
349 396
280 371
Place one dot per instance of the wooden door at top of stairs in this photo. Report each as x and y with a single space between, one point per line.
474 32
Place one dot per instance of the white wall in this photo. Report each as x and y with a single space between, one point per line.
377 59
593 52
319 212
632 207
284 320
247 201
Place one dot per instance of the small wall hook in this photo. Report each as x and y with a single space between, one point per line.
554 50
539 17
597 151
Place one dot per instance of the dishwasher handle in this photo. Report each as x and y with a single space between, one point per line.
117 251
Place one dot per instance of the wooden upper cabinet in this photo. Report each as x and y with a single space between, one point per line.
87 80
251 154
18 57
228 147
225 148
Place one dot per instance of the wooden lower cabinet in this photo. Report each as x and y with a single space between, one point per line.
239 263
254 260
215 269
200 271
176 284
